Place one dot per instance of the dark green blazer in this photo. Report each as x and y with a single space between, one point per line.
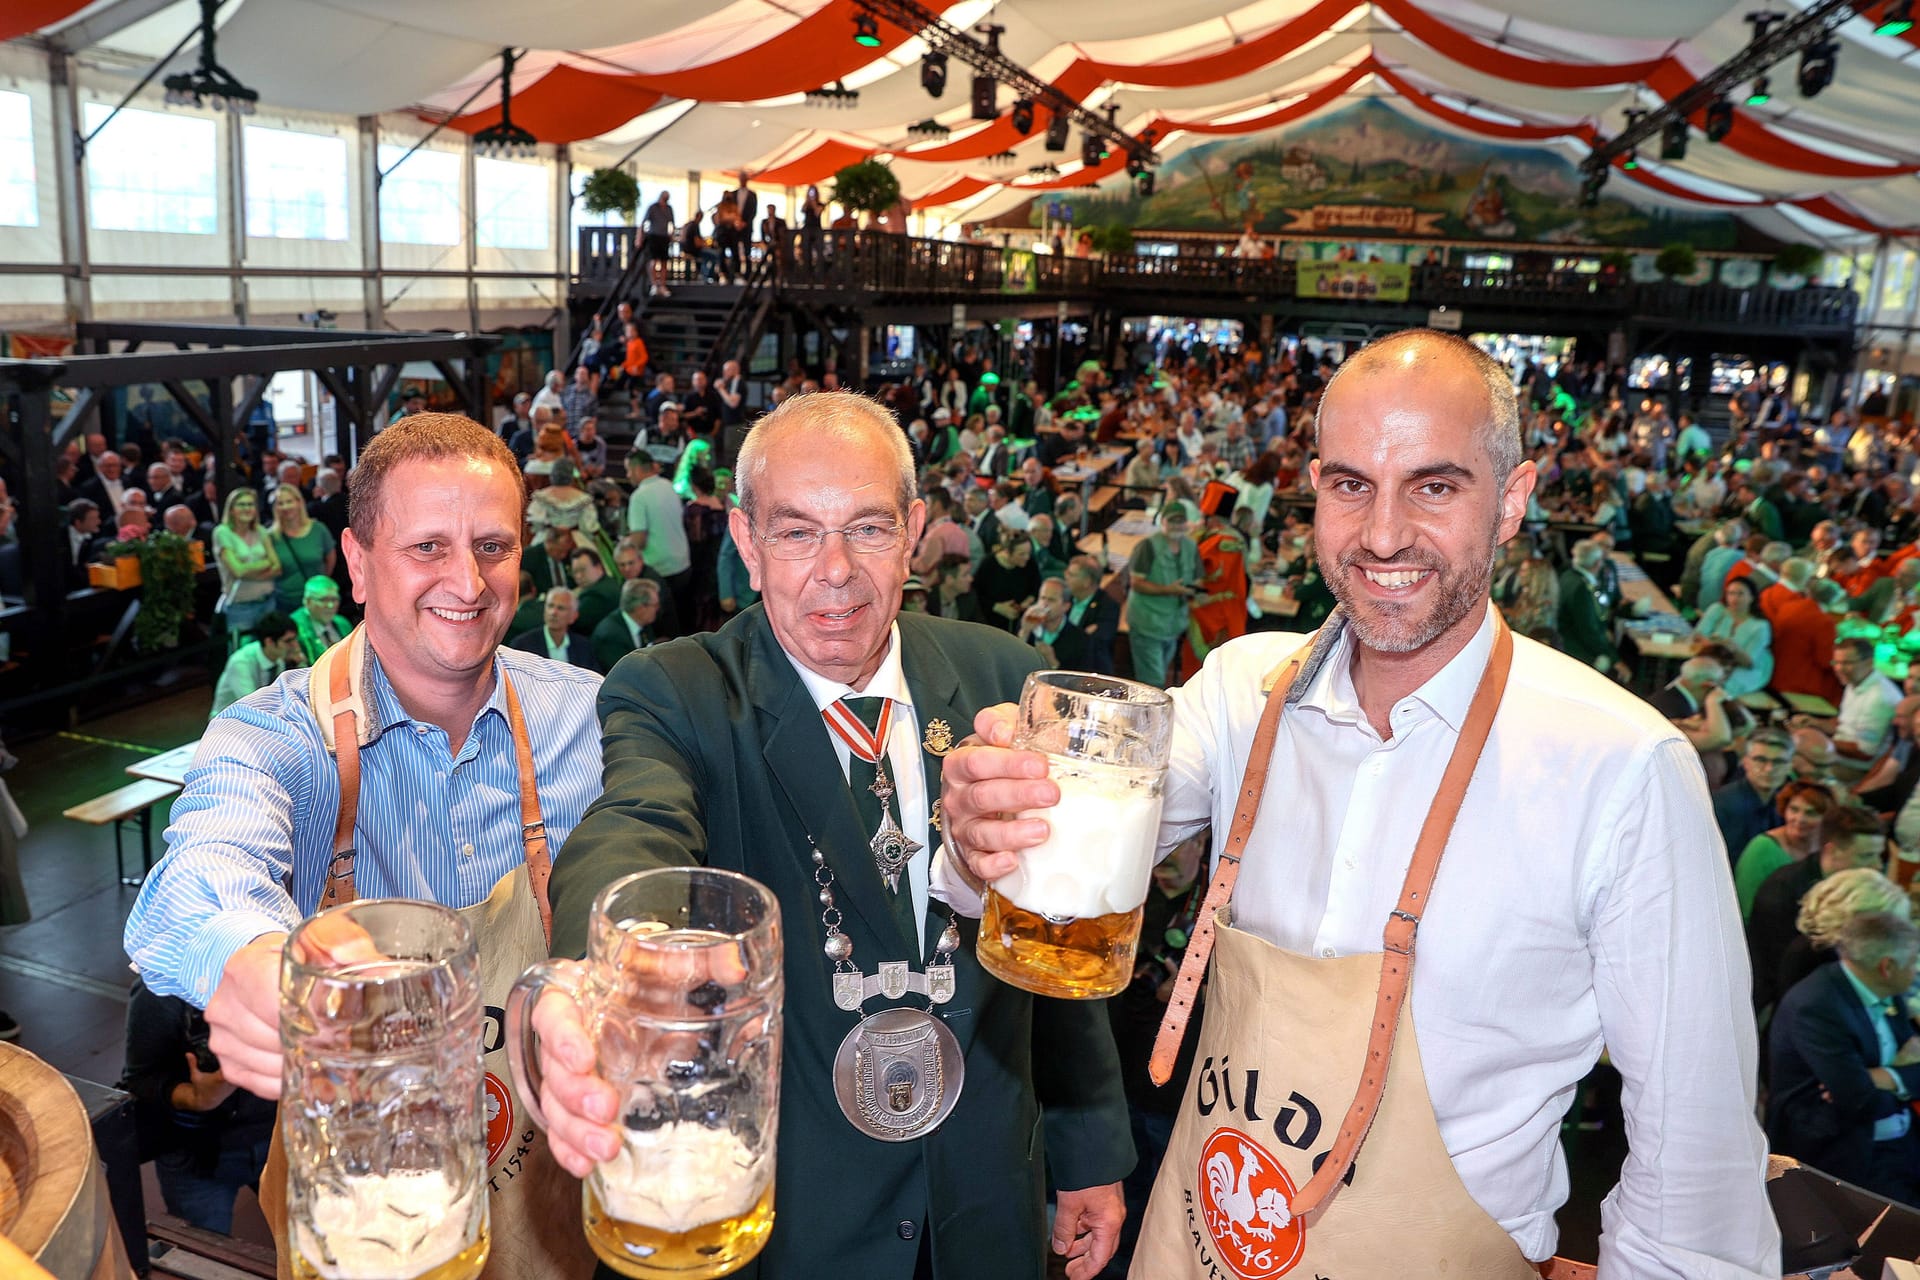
1583 632
715 754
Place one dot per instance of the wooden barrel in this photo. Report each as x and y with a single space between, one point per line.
53 1193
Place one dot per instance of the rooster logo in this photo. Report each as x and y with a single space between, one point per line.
1243 1197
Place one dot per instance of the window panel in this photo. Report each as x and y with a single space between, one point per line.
420 200
514 202
296 184
152 171
19 196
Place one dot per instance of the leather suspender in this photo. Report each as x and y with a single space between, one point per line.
1396 962
533 828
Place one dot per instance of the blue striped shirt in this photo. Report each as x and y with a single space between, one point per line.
258 809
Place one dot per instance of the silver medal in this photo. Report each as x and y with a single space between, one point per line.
898 1075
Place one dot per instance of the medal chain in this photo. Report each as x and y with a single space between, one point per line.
839 947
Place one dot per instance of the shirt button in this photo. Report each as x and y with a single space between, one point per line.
907 1230
466 851
1326 953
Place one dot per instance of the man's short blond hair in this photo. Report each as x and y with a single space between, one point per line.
421 437
1831 903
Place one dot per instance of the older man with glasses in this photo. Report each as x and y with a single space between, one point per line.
317 621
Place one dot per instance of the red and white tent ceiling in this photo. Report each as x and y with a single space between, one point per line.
717 86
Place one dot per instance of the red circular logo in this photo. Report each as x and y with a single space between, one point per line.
1243 1198
499 1118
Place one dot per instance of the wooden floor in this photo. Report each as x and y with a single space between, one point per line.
65 976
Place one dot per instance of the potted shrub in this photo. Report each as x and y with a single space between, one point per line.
1114 242
1676 260
1614 264
611 191
866 186
166 564
1801 262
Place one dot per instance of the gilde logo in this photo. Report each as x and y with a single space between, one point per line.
1243 1200
499 1118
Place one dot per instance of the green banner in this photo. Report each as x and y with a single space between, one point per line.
1354 281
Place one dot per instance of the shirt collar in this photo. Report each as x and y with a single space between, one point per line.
388 712
889 681
1447 694
1875 1004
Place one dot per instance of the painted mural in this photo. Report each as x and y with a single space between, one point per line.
1365 171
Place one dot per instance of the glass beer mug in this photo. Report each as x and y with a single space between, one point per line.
381 1107
681 999
1066 920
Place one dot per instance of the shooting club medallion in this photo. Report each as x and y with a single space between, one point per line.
938 739
1243 1195
898 1074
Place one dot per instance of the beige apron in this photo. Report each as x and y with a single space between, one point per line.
534 1205
1284 1038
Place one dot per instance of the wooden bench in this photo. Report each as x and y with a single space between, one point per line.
135 800
1102 498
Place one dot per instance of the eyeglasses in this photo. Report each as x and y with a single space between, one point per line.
868 538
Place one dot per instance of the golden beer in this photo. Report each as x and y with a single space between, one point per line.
1080 959
464 1265
713 1249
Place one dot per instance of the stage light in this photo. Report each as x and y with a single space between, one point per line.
209 84
1092 149
866 31
1816 67
1023 116
933 73
834 95
1673 139
1761 93
1719 119
986 98
929 129
1145 184
1590 188
1896 19
504 138
1058 130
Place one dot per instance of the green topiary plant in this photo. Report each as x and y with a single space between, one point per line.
1676 260
866 186
1798 260
1616 260
166 587
1114 241
609 191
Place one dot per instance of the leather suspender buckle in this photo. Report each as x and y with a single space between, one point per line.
1401 928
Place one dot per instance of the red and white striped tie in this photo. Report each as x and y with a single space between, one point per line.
866 744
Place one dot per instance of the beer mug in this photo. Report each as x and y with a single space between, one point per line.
381 1106
681 999
1066 920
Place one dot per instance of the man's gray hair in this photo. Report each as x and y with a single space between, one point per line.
1732 533
638 591
1501 430
554 593
1873 936
1775 554
1796 573
833 420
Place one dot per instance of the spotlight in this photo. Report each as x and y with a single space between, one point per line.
928 129
1000 159
986 94
1896 19
1023 116
1145 184
1719 119
833 95
1761 93
933 73
1058 128
504 138
209 84
1590 188
1048 170
1092 149
866 31
1673 139
1816 67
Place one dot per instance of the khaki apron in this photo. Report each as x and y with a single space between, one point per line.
534 1205
1282 1041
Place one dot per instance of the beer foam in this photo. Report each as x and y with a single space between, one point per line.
681 1176
1099 854
383 1225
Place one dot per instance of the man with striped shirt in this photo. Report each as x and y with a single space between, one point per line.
440 808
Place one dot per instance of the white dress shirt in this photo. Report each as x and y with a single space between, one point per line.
903 759
1584 899
1866 713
